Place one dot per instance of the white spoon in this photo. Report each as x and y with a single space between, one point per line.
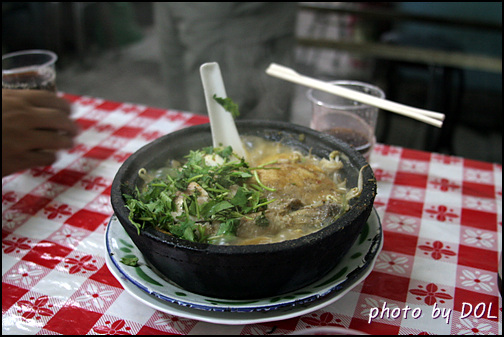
224 132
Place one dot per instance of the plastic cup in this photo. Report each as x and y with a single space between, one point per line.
352 122
29 69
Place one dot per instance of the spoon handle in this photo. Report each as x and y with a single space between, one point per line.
222 124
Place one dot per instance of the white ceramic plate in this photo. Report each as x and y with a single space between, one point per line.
150 288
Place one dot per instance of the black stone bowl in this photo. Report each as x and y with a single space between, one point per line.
253 271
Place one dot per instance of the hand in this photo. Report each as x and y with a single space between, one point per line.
35 124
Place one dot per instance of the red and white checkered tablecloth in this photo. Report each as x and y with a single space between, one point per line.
441 217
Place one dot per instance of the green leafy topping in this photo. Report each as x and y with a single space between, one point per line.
228 105
261 220
203 199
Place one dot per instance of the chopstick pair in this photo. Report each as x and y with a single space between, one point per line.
288 74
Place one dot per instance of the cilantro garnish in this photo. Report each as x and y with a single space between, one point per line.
228 105
214 186
261 220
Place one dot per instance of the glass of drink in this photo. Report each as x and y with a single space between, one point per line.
352 122
29 69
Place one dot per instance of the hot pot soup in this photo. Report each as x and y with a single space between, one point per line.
215 197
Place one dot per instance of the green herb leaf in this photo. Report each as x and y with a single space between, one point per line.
220 207
228 105
228 227
261 220
240 198
218 192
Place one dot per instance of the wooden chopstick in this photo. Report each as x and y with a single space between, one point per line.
288 74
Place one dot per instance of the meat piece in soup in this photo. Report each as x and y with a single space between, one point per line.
305 201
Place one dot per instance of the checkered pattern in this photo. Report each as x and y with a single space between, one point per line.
441 216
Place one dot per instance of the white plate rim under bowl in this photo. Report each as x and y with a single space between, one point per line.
358 262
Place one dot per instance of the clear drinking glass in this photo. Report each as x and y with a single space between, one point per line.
29 69
352 122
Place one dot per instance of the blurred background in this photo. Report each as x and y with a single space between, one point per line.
443 56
